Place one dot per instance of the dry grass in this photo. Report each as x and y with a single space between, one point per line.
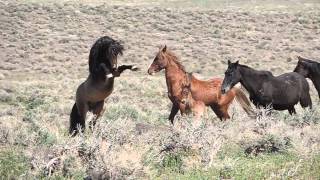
44 58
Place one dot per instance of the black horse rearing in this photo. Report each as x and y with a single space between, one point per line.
309 69
282 92
99 84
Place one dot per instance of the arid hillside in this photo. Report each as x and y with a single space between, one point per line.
44 49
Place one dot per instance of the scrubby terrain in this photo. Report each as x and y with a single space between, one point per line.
44 54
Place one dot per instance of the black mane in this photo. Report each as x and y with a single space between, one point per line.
103 51
313 69
308 60
260 72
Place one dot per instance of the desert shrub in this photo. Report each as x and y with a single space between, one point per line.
12 164
172 162
309 169
243 167
267 144
307 117
230 150
121 111
45 138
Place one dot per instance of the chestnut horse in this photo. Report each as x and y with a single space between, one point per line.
198 108
204 93
99 84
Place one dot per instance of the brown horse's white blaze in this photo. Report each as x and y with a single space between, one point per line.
203 93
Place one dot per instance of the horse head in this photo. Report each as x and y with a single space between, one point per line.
159 62
231 78
302 67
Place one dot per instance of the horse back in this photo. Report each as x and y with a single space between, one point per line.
209 91
288 88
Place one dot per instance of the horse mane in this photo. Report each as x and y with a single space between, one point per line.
261 72
171 56
311 64
102 51
307 60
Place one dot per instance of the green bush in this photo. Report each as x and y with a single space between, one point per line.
12 164
115 112
172 162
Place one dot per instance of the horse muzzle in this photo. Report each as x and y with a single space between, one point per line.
151 71
225 90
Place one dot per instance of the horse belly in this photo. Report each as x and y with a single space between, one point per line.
287 99
99 93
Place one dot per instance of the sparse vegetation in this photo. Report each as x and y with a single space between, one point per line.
13 164
44 58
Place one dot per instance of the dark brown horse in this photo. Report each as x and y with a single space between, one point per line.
282 92
309 69
98 86
206 92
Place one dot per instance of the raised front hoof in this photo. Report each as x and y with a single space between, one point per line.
135 68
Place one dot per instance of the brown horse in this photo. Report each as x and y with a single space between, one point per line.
206 93
99 84
198 108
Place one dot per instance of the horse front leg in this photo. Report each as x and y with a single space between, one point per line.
292 110
117 72
174 111
105 70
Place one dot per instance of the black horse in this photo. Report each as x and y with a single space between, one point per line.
309 69
98 86
282 92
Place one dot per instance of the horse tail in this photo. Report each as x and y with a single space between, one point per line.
75 119
243 101
305 98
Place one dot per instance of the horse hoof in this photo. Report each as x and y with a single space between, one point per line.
110 75
134 68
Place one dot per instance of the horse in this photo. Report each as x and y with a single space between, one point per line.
207 92
98 86
198 108
281 92
309 69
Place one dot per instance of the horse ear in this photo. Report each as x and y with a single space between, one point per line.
229 62
236 63
164 49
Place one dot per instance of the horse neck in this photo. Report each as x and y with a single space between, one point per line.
251 79
174 75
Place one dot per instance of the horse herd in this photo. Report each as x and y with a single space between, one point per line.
189 94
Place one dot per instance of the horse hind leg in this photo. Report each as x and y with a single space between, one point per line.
292 110
77 118
220 112
97 110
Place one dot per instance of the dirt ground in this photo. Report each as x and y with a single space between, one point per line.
44 48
